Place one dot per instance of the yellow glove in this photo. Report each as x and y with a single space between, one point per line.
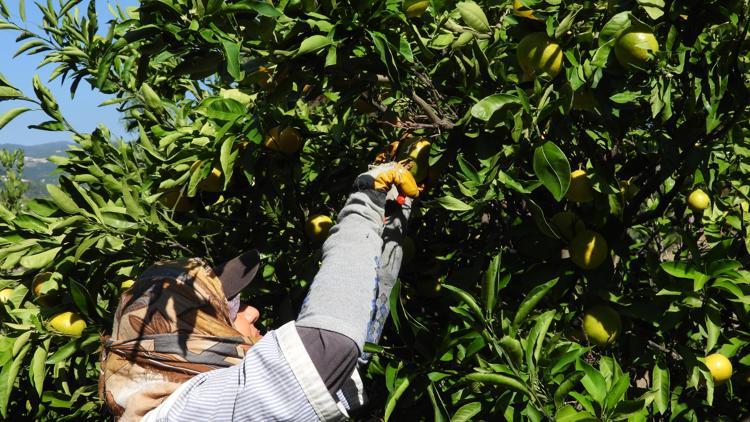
383 176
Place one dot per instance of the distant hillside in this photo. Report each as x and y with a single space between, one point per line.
37 170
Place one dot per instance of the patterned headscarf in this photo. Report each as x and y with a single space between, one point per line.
171 325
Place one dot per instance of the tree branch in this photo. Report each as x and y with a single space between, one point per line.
431 113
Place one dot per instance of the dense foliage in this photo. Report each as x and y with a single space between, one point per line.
645 100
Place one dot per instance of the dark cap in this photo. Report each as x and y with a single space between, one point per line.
238 272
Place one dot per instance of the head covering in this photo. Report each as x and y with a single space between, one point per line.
171 325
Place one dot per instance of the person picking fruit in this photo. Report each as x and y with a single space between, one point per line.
184 348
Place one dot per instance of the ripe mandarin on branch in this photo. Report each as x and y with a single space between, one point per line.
720 367
286 140
588 249
68 323
417 153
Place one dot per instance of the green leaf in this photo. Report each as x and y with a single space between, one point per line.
473 15
452 204
570 414
11 114
37 372
39 260
593 382
660 385
611 30
466 412
401 387
617 392
713 328
485 108
682 270
313 44
8 375
654 8
232 55
552 168
506 381
532 298
536 337
150 97
467 299
263 8
512 349
62 200
490 285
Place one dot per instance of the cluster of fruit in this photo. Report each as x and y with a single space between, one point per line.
588 250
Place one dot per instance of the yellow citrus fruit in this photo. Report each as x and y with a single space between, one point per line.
409 249
415 8
635 46
417 153
176 200
580 187
286 141
567 224
520 10
602 325
588 249
212 182
698 201
317 227
36 284
68 323
5 294
720 367
538 54
125 285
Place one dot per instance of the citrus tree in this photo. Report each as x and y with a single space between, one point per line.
581 246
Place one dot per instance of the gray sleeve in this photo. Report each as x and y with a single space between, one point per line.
343 293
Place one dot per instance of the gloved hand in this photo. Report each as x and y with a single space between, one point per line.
385 176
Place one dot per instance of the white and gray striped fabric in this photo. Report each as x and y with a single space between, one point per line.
276 381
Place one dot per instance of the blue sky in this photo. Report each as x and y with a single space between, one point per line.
83 111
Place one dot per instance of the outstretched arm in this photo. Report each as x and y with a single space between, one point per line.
347 290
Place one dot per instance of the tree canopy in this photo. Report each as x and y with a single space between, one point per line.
566 140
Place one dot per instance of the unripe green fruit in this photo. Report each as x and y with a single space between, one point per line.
538 54
602 325
635 47
415 8
698 201
580 187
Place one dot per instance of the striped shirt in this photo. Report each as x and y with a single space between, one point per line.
276 381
